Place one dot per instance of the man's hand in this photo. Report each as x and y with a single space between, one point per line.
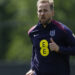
53 46
30 72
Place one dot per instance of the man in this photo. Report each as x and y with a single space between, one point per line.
53 43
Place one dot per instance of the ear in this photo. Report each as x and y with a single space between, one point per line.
53 12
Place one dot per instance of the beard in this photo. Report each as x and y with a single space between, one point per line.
44 21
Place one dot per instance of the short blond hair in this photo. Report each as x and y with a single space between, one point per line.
51 2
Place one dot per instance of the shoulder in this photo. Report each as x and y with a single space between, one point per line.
31 29
61 26
58 24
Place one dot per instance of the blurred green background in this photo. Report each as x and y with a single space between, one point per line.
17 16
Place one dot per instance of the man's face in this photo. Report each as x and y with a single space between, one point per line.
44 12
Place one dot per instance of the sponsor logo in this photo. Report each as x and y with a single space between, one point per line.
44 51
36 35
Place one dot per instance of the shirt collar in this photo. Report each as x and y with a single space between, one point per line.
49 25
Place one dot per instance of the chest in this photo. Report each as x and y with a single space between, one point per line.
42 37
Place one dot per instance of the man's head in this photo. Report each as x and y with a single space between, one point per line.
45 10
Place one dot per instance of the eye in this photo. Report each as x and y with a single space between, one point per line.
45 10
39 11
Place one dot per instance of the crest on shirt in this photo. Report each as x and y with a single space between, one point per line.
52 33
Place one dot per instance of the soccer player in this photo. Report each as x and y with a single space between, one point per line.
53 43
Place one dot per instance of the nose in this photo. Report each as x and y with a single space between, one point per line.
42 13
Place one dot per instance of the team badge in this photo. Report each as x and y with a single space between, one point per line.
52 33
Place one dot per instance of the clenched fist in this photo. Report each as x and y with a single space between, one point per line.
30 72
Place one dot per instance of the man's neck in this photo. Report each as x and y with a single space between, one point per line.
45 25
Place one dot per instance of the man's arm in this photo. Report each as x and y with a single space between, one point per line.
70 39
31 71
32 59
